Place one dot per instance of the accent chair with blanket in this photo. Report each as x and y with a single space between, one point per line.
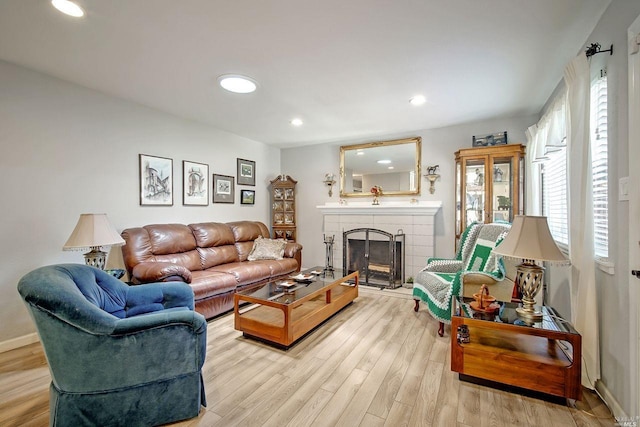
118 355
475 264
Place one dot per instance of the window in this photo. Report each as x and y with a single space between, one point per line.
554 170
554 178
599 159
553 157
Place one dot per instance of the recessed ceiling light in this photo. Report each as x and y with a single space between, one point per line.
384 162
360 153
418 100
237 83
68 7
390 167
296 122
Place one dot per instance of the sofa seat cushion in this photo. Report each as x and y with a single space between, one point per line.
208 283
245 272
280 267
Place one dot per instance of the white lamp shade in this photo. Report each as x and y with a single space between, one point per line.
93 230
530 238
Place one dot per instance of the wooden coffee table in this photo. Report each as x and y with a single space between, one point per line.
281 315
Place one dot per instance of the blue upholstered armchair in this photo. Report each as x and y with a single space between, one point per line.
118 354
475 264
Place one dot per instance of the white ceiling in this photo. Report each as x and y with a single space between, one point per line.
346 67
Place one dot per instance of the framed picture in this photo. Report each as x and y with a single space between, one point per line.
195 183
247 197
223 189
156 181
499 138
246 172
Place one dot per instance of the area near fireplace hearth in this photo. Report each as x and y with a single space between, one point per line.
414 220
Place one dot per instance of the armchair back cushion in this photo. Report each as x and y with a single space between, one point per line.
443 279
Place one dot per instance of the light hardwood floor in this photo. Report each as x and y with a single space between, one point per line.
376 363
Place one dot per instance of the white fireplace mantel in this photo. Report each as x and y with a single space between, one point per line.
429 208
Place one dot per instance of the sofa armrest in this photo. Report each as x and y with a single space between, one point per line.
291 249
169 294
147 272
294 250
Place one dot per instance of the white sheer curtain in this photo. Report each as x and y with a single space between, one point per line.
542 138
584 313
533 190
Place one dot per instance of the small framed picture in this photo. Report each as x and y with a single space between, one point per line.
247 197
195 184
223 189
156 181
246 172
499 138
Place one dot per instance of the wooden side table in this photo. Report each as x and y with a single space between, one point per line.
543 356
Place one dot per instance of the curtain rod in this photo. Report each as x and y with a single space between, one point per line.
595 48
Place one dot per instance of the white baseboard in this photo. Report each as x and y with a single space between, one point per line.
611 401
18 342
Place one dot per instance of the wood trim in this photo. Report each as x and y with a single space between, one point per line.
18 342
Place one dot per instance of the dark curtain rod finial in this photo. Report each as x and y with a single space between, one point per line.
595 48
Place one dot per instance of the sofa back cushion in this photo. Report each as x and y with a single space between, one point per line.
245 232
161 243
216 243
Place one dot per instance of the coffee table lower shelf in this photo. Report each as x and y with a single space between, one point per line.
283 324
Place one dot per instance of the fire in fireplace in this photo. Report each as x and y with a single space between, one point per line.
376 254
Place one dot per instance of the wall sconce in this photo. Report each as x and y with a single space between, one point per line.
329 181
432 176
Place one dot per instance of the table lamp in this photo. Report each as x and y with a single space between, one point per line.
93 231
530 240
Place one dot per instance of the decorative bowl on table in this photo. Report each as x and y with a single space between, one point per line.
304 278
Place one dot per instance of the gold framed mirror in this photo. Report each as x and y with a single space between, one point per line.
392 165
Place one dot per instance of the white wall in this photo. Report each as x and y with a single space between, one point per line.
67 150
309 165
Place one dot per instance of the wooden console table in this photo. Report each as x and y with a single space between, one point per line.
543 357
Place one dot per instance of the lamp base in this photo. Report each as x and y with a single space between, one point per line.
529 277
96 258
534 316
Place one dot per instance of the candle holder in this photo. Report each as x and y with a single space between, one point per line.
328 244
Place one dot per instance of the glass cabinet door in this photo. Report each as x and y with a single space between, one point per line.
502 189
475 190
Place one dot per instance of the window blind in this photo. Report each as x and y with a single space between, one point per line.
599 159
554 187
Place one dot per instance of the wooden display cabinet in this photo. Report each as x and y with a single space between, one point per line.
489 185
283 208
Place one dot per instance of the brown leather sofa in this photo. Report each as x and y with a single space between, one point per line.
211 257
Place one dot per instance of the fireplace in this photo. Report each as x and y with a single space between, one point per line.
376 254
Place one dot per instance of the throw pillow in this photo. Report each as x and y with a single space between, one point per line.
267 249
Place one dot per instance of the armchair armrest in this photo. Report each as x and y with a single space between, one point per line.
147 272
169 294
176 316
442 265
478 278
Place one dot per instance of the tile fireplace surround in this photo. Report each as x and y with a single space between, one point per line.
416 220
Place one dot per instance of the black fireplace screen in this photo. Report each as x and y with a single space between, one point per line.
376 254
